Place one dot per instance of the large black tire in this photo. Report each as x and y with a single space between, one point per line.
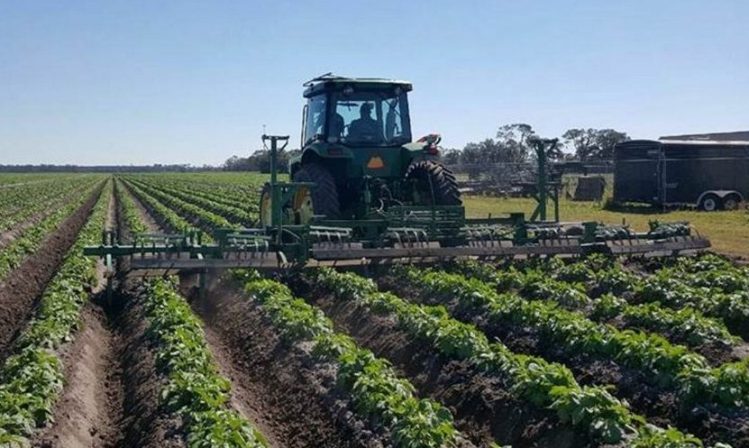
435 184
325 194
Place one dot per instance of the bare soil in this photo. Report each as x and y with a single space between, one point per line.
484 409
22 288
288 395
145 423
90 409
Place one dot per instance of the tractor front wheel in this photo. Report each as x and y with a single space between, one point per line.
432 184
324 195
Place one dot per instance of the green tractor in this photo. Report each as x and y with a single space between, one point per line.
358 151
363 193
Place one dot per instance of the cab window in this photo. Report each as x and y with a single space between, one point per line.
315 119
378 118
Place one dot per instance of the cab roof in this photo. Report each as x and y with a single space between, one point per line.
329 81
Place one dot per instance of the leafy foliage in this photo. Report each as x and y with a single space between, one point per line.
195 390
31 379
30 239
666 365
544 384
373 385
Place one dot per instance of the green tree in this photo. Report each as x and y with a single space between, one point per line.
513 139
593 144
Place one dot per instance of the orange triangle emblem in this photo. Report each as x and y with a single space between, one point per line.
375 163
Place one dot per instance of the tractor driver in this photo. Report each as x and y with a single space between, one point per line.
365 128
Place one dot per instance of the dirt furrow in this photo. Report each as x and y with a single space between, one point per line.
281 400
483 407
89 411
657 404
24 285
291 400
287 394
9 236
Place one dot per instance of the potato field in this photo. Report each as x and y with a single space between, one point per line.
536 352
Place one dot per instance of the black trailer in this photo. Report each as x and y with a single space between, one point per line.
708 174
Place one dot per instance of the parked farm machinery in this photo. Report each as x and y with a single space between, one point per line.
363 193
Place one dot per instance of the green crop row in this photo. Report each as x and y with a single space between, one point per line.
172 219
32 378
710 270
672 291
547 385
17 198
232 214
375 389
667 365
219 188
209 221
23 203
247 201
708 283
31 238
129 210
686 325
195 391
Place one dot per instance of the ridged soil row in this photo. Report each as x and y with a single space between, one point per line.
289 398
24 285
483 407
89 411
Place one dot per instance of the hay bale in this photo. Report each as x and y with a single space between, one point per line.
589 188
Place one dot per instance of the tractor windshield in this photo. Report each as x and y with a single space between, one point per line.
369 118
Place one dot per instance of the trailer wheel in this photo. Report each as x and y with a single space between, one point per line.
731 202
710 203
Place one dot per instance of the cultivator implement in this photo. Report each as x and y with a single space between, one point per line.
328 245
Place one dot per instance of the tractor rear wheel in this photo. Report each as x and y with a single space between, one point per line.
325 194
432 184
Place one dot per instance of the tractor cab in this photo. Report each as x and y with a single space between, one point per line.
356 112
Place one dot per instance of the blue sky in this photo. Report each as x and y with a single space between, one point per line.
131 82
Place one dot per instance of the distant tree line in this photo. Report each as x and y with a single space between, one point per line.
511 144
258 161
